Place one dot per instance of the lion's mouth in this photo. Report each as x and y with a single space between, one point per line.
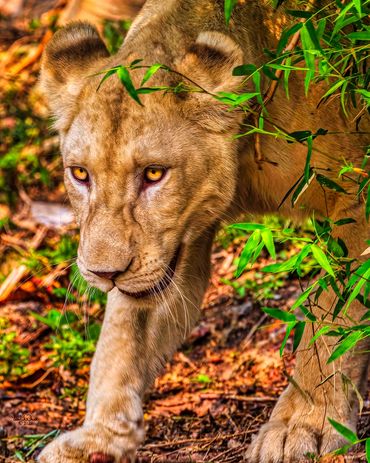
161 285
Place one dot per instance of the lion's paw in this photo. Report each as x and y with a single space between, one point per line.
87 445
293 442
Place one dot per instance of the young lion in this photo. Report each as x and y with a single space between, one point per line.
150 184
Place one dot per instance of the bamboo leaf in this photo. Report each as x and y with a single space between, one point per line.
248 251
150 72
244 70
107 75
303 297
322 260
345 345
125 78
280 314
228 9
344 431
322 331
298 333
328 183
268 241
302 187
307 313
289 328
247 226
362 35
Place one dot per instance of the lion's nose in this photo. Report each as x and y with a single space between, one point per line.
107 275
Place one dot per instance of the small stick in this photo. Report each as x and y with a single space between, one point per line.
32 57
18 273
258 155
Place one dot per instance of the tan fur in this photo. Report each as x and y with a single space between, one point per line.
210 178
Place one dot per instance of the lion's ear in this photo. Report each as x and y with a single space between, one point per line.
68 59
209 62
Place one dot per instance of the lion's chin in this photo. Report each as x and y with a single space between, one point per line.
161 285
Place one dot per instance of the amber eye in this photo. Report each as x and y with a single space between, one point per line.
153 174
80 174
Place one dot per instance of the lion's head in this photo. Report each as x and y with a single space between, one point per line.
144 181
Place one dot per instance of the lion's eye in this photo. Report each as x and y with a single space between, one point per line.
153 174
80 174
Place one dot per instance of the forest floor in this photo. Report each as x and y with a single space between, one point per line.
220 386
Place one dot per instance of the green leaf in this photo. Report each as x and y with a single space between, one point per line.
107 75
286 266
235 99
247 226
326 182
244 70
302 187
125 78
344 431
256 77
285 37
19 455
286 76
344 346
345 221
248 251
298 333
228 9
358 6
356 290
267 71
307 313
301 256
303 297
135 62
300 135
335 247
322 331
333 88
280 314
367 449
300 13
283 67
268 241
322 260
362 35
313 35
150 72
307 168
289 329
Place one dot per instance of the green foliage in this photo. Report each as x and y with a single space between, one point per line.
324 255
114 32
20 163
32 442
13 357
202 379
69 347
351 437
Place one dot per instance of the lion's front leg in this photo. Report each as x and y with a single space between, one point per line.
299 425
134 344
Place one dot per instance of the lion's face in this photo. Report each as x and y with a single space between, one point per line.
144 182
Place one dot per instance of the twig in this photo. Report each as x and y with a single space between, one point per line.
247 340
32 57
258 155
18 273
204 439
